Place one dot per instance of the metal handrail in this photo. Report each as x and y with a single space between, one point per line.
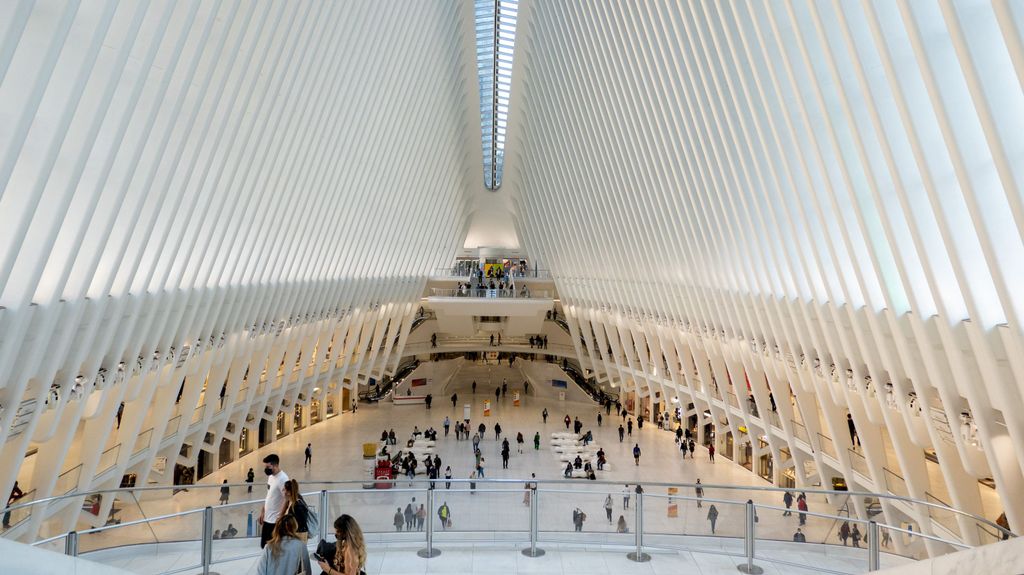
749 531
488 293
519 482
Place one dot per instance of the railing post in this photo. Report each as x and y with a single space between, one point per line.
324 519
71 544
874 551
429 552
207 539
638 524
748 542
533 551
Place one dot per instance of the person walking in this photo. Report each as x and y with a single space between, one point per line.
536 441
578 517
799 536
625 496
250 477
693 447
698 490
349 556
225 492
410 515
482 429
711 452
421 517
544 414
476 442
455 400
399 519
801 506
622 433
519 442
472 483
636 453
855 536
854 438
445 515
608 507
284 553
567 420
713 517
447 423
679 435
309 456
295 506
629 427
480 468
505 450
497 431
273 504
16 494
448 477
599 419
474 387
787 500
497 394
529 487
640 422
844 532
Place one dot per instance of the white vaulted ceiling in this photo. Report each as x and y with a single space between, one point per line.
820 198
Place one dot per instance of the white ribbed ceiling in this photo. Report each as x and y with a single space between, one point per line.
836 182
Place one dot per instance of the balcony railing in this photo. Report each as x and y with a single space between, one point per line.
487 293
661 516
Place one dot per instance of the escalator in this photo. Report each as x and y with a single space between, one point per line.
588 385
387 383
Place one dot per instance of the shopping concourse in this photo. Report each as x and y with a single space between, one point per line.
511 286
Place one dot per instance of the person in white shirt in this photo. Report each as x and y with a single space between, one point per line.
273 505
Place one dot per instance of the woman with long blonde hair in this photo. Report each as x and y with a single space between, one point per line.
284 554
295 506
349 551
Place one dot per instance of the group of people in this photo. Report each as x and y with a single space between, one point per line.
285 524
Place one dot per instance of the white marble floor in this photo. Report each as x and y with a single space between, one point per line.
338 456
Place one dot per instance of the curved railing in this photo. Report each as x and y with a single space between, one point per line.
488 293
662 517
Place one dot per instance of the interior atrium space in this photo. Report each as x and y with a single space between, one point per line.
512 286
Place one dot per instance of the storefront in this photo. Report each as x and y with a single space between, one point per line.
226 454
297 419
314 411
765 465
243 442
282 426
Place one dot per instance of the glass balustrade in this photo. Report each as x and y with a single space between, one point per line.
859 463
719 520
827 447
519 292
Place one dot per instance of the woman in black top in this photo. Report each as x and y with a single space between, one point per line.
295 506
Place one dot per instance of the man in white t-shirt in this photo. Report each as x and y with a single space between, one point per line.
273 505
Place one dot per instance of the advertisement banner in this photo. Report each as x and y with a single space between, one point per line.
419 382
515 398
487 408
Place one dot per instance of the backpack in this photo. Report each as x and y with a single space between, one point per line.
312 519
